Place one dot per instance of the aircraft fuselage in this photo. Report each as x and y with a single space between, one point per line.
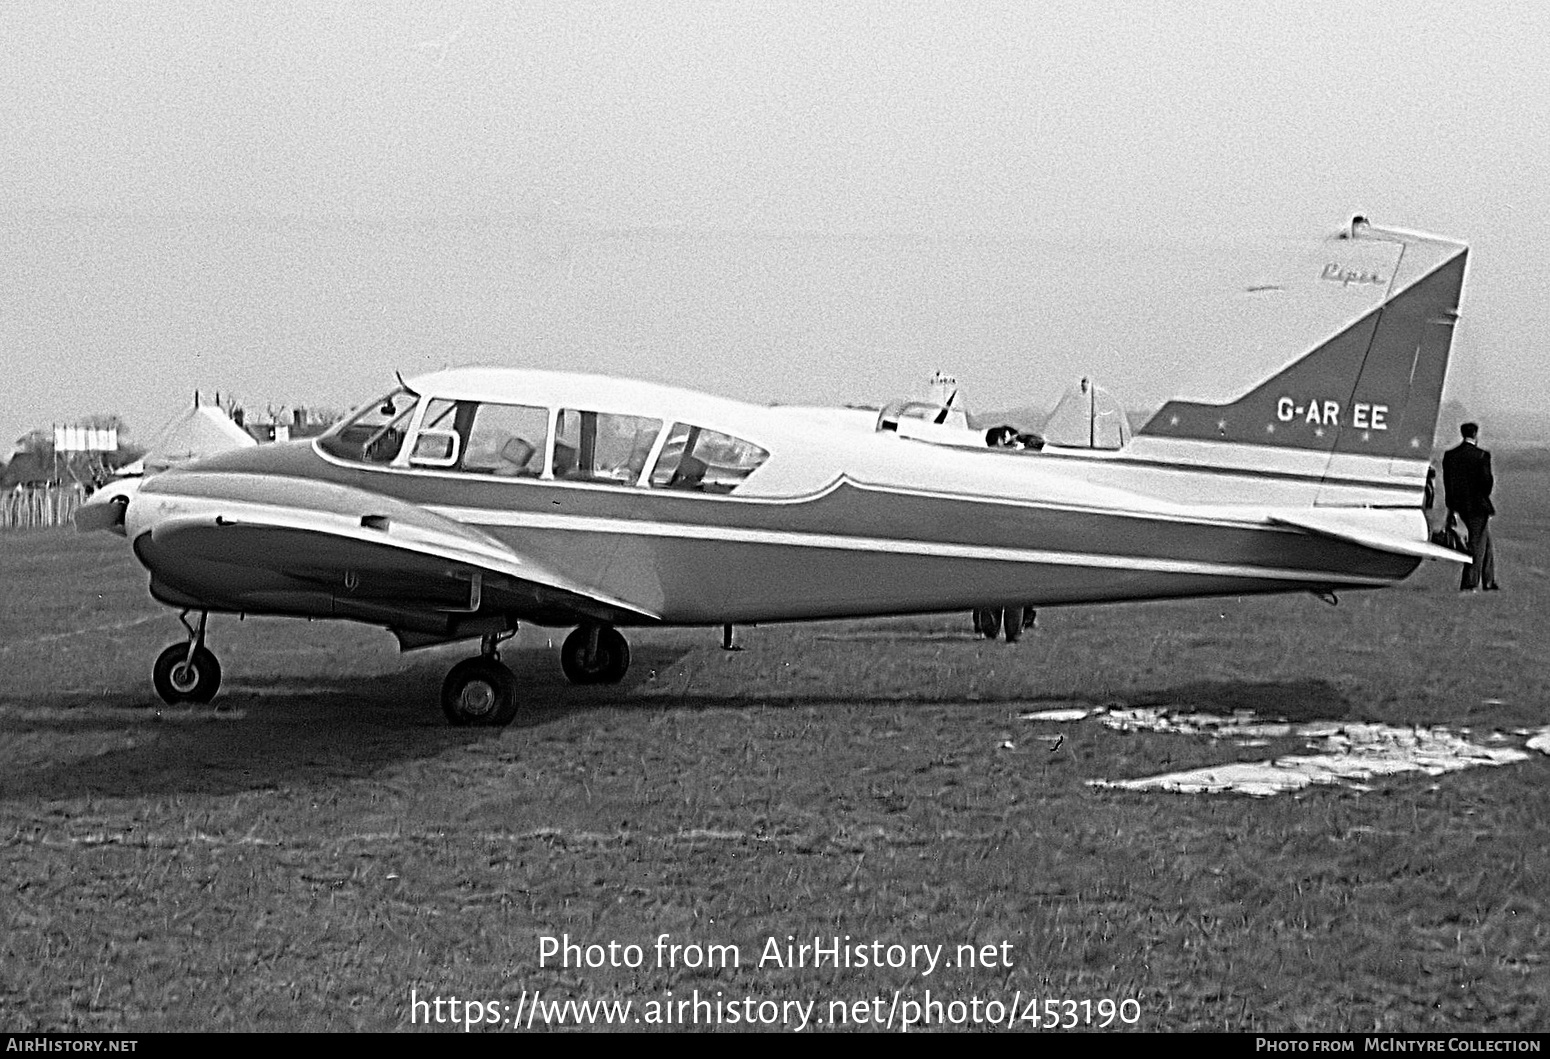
851 547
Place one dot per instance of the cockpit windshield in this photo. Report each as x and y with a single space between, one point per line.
375 432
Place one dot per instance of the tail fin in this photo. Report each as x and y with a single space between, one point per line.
1374 387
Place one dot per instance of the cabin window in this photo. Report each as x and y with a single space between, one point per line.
437 443
504 440
603 446
698 460
375 433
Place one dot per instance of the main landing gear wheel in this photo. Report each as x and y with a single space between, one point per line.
179 678
1014 623
987 621
604 660
479 691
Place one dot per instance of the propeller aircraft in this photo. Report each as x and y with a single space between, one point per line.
466 502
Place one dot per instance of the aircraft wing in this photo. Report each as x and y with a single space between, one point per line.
1348 527
406 568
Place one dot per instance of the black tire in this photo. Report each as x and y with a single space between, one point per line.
479 692
180 679
608 666
987 621
1014 624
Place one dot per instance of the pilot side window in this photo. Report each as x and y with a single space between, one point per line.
505 440
705 461
375 433
603 446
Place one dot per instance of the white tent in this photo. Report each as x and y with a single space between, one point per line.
1088 417
200 431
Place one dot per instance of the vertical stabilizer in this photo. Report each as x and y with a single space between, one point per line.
1371 389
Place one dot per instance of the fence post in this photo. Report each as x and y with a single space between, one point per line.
52 506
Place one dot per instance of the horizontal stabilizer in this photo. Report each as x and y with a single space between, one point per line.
1348 528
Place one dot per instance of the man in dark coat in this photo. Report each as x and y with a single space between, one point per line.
1467 481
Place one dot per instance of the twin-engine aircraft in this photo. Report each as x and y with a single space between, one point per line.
468 501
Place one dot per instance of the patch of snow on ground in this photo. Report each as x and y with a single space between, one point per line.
1055 715
1355 753
1347 754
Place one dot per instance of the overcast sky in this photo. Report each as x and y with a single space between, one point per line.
798 202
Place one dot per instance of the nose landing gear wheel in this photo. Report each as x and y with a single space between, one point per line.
479 691
604 663
987 621
181 679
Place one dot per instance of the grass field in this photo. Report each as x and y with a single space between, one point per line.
322 844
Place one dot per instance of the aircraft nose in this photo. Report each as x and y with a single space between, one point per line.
105 509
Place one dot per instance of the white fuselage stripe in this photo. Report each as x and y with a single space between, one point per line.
487 518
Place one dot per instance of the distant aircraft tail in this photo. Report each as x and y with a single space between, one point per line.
1366 399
